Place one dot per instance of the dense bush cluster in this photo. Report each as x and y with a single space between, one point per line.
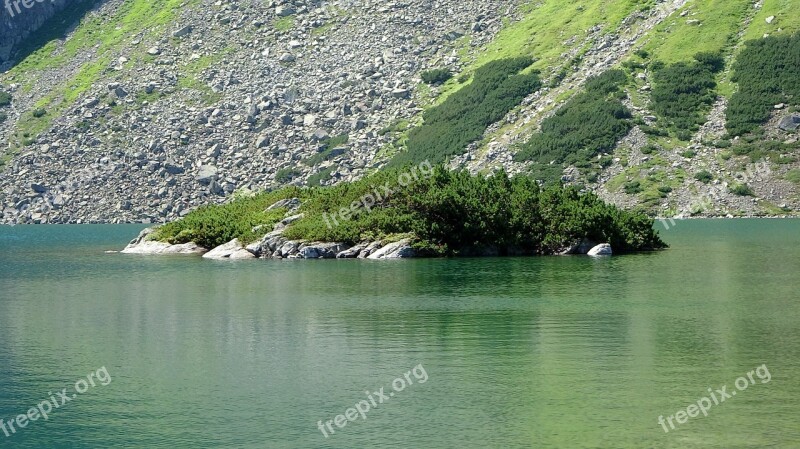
684 91
446 213
436 76
5 100
768 73
704 176
452 212
741 190
328 149
590 123
448 128
285 175
213 225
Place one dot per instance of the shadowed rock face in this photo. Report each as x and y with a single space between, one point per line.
17 22
35 22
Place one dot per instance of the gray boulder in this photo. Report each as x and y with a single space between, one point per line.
268 245
397 250
789 123
603 249
580 247
206 174
232 250
322 250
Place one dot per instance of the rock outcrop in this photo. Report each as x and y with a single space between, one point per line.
603 249
232 250
18 22
143 244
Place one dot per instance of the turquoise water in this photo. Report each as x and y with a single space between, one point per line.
566 352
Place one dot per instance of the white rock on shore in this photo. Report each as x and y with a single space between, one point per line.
232 250
142 245
397 250
603 249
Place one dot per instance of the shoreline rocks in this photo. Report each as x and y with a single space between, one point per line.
232 250
143 244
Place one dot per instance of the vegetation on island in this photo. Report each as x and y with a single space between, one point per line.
446 213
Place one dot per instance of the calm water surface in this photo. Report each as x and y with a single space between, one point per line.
566 352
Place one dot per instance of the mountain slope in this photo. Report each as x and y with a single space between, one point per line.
148 109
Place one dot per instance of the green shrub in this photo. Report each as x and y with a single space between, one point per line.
654 131
211 226
682 94
767 74
704 176
285 175
632 187
327 148
588 124
688 154
3 117
448 128
39 113
450 212
722 143
436 76
713 60
649 149
318 178
5 98
741 190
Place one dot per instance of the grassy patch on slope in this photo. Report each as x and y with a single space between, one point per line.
103 36
718 25
462 119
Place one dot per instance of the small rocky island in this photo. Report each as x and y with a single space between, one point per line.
419 211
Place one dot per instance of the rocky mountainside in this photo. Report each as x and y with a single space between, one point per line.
146 109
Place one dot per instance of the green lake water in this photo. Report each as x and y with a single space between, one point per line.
571 352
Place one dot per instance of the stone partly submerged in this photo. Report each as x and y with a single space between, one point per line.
144 244
604 249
